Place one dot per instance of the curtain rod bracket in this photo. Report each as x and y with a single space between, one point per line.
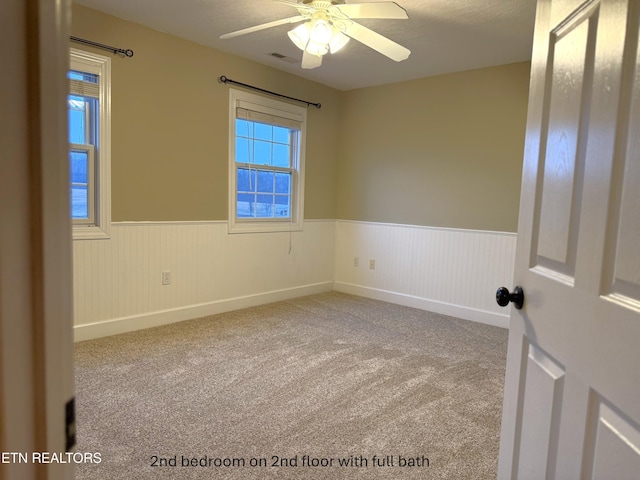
118 51
225 80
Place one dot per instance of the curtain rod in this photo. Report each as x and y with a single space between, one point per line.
225 80
119 51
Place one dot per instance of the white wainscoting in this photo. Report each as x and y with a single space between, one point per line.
449 271
118 282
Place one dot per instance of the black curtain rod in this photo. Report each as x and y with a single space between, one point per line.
119 51
225 80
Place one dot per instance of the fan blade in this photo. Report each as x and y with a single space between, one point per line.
297 18
376 41
310 61
373 10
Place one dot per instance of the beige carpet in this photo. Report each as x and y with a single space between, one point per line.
390 392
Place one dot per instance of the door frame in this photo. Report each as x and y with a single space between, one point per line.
36 290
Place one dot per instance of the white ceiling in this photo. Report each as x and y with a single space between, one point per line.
444 36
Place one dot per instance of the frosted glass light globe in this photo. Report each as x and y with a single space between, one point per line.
321 32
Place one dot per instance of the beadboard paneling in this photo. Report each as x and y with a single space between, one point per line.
118 282
449 271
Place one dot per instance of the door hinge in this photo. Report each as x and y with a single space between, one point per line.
70 424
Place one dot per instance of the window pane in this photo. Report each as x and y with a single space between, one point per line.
281 135
83 119
79 167
283 205
243 150
84 76
265 181
76 102
263 131
280 155
79 172
262 152
283 183
245 206
79 201
264 207
246 180
242 128
77 120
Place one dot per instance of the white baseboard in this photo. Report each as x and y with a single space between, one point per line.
155 319
466 313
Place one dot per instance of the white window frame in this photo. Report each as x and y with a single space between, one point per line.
100 225
280 109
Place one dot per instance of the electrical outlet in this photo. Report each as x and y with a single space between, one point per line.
372 264
356 262
166 277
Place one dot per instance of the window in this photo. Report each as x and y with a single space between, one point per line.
266 159
89 144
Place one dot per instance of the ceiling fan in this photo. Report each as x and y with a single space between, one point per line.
328 26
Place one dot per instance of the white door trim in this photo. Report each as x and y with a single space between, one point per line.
36 363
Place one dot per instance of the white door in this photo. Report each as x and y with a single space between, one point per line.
572 388
36 338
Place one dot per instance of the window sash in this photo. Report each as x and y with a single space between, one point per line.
255 193
249 143
90 184
266 168
89 146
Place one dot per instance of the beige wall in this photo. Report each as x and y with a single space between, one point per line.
170 124
438 151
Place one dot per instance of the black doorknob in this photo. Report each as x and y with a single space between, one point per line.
503 297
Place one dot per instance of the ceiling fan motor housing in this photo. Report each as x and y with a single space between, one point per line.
328 3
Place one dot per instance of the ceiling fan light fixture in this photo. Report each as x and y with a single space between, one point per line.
302 38
318 37
317 48
338 41
300 35
320 32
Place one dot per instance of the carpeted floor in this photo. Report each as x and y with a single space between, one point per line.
329 386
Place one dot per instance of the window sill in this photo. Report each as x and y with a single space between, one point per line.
263 227
90 232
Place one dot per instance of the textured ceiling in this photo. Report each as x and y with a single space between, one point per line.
444 36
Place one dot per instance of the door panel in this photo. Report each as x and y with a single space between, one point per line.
623 248
542 400
572 388
566 124
613 445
